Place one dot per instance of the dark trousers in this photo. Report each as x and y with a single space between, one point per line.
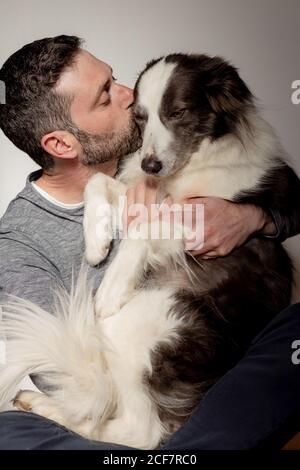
255 405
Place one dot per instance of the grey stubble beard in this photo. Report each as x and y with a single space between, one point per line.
106 147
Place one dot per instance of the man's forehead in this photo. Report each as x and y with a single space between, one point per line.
86 69
86 58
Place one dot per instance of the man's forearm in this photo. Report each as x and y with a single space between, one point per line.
279 198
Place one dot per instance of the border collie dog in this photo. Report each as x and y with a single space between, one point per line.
130 364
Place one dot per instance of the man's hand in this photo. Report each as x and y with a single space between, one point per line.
142 194
228 225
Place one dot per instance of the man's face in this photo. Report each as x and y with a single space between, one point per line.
101 109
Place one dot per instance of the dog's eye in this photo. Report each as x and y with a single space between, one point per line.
178 114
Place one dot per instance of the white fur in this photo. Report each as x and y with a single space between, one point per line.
227 166
146 322
156 137
95 370
64 347
97 223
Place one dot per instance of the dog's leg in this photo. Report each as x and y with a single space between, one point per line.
121 277
137 426
134 256
39 403
143 323
43 405
101 195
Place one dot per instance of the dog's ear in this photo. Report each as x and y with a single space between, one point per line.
224 88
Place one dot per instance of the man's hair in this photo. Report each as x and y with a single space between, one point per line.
32 108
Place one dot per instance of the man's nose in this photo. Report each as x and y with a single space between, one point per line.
126 96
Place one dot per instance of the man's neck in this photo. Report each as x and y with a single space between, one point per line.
67 180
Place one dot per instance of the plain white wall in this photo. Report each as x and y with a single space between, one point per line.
261 37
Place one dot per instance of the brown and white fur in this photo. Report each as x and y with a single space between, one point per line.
167 326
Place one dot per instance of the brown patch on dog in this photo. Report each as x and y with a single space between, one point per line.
21 405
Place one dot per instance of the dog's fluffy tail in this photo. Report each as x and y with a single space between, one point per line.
65 349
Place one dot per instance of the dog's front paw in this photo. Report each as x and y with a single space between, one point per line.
20 401
97 250
98 235
38 403
110 299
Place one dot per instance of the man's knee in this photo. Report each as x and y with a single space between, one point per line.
27 431
285 326
20 430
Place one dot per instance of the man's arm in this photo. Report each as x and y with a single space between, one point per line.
279 197
271 211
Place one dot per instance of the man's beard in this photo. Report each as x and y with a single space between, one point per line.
106 147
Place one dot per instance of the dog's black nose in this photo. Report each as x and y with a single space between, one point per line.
151 165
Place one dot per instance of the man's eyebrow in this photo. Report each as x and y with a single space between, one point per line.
100 90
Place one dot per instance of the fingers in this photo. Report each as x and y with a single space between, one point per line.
129 198
139 198
207 252
168 201
150 199
217 222
207 255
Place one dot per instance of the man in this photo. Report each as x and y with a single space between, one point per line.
65 109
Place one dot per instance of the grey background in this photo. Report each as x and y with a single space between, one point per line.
261 37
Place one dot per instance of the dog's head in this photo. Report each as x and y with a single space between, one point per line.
179 100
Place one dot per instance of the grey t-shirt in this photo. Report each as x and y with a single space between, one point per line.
41 245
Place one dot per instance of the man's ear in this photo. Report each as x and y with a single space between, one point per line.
61 144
